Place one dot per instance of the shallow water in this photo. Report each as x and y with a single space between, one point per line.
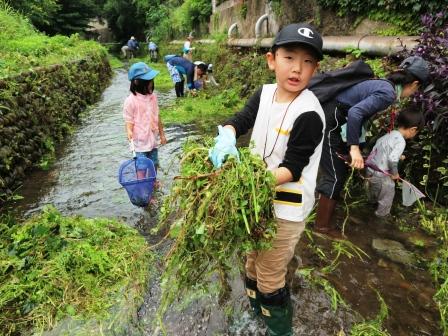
84 181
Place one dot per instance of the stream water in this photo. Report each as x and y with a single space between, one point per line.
84 181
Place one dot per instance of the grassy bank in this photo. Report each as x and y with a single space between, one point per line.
54 267
24 48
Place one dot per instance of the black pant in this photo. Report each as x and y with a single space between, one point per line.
179 87
333 169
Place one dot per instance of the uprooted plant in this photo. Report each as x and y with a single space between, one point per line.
215 215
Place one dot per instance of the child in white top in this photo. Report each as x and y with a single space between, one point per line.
385 156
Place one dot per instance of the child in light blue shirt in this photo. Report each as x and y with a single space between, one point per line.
385 156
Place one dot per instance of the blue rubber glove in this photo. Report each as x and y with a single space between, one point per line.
224 146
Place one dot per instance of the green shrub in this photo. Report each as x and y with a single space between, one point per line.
54 266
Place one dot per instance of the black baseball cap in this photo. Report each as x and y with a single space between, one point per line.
301 33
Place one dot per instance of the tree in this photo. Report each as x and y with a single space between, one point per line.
58 16
39 12
72 17
125 19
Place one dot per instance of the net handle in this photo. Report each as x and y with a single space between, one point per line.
132 146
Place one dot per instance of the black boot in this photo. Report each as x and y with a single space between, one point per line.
178 89
276 310
254 295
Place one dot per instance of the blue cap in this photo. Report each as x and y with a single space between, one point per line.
141 71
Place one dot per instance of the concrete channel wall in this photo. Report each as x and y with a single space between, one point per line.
38 108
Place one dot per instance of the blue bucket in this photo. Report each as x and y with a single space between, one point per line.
137 176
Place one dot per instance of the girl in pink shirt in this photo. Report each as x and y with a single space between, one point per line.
141 112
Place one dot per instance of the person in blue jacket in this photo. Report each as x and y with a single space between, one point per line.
179 67
153 48
133 46
353 107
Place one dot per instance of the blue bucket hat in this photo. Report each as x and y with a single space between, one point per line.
141 71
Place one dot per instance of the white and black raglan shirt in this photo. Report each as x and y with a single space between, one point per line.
289 137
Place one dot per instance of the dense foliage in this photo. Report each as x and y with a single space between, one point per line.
58 16
126 18
39 12
402 13
54 266
162 20
432 145
23 47
217 215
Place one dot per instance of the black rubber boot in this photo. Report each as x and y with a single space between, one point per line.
179 89
276 310
254 295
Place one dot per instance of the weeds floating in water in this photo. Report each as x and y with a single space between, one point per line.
373 327
216 215
347 248
334 296
52 267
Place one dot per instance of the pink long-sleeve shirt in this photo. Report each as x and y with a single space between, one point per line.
143 112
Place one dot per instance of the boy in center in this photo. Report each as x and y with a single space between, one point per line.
288 125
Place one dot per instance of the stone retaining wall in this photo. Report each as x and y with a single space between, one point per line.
38 108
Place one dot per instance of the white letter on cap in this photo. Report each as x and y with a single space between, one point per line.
306 32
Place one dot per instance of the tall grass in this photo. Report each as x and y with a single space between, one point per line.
12 24
23 47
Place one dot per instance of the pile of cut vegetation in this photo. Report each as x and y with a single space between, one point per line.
69 274
23 47
215 215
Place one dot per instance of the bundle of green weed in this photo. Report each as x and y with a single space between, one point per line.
53 266
217 215
373 327
24 48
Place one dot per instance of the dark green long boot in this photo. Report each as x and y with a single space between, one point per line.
254 295
276 310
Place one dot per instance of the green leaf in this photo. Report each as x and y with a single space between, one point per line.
70 310
200 230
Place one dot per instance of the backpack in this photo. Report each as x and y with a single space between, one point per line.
326 86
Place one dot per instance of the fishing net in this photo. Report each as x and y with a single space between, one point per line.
137 176
410 193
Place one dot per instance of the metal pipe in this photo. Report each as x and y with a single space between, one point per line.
260 20
371 45
233 27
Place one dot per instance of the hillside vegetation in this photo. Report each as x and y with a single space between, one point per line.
23 47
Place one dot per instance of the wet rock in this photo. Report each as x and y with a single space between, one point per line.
394 251
383 263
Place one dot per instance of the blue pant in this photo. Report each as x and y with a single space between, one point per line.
153 155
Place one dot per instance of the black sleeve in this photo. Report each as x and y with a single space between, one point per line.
190 77
306 134
244 120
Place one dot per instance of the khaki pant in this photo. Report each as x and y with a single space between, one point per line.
269 267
